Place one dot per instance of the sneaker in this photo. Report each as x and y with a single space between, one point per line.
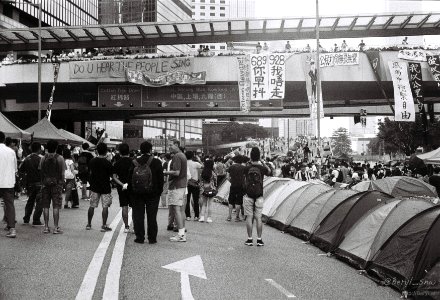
229 219
66 206
202 219
12 233
88 227
178 238
260 243
188 218
75 206
170 227
127 229
105 228
37 223
208 220
46 230
57 231
249 242
196 219
25 221
237 220
139 241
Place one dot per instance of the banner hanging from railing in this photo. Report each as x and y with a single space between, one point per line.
177 77
416 81
244 83
403 99
434 66
309 69
338 59
412 54
56 70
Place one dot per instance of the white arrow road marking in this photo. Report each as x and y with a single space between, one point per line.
190 266
280 288
91 277
111 288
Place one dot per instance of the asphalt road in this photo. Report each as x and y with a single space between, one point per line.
39 266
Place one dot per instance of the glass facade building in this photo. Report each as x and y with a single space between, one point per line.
54 12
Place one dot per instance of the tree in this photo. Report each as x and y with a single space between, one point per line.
341 142
406 137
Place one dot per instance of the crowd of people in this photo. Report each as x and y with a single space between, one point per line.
202 51
143 180
182 181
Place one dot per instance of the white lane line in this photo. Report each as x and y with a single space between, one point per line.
111 288
280 288
91 277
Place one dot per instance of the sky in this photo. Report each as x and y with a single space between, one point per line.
307 8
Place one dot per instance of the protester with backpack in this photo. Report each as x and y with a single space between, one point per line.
52 168
208 189
83 169
146 186
253 199
69 176
101 170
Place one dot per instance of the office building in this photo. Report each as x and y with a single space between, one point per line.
54 13
221 9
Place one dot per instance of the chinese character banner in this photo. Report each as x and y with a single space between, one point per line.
416 81
434 66
338 59
412 54
259 77
244 83
403 99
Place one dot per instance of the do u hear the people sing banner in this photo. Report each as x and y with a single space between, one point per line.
403 99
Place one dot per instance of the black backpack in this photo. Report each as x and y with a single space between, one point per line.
142 179
340 177
254 182
82 164
50 170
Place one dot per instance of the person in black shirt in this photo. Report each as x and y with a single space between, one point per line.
101 170
147 202
33 180
236 192
83 169
121 176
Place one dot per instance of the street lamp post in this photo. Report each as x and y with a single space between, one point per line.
39 4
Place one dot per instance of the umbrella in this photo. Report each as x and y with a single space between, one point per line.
9 129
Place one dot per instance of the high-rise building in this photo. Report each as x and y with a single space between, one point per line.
54 13
221 9
292 128
134 11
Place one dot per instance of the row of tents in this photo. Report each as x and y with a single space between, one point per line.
387 230
42 131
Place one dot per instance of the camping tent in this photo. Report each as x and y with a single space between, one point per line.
431 157
9 129
330 232
366 237
76 137
273 200
399 186
272 184
45 130
315 211
430 284
410 252
290 205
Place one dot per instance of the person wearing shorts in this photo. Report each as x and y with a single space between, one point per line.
101 170
53 192
254 206
176 191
